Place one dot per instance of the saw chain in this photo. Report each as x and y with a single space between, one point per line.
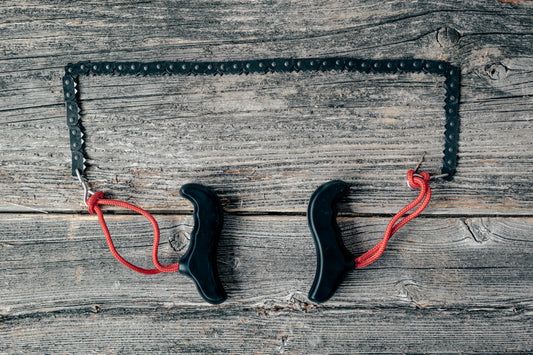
451 74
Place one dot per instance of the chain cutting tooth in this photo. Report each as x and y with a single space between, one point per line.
81 68
77 162
69 88
121 68
203 68
416 66
273 66
152 68
146 69
211 69
449 164
451 131
390 66
207 68
451 100
95 69
69 69
84 68
406 66
158 68
377 66
230 68
72 108
436 67
452 127
423 67
327 64
279 65
173 68
76 145
72 114
339 64
287 64
307 64
107 68
133 68
440 68
429 66
236 67
256 66
222 68
352 64
75 133
246 65
452 84
196 69
365 66
312 64
72 121
298 64
182 68
402 66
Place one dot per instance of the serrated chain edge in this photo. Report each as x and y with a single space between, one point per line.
450 72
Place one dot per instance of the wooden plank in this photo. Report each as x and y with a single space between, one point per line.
62 262
459 284
492 46
37 30
244 330
455 285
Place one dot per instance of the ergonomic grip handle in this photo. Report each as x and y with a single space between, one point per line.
333 260
199 261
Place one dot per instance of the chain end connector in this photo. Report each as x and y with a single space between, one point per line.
432 176
438 176
86 191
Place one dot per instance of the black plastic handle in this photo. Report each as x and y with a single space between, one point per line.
333 260
199 261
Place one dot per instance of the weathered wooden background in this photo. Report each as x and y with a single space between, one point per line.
457 279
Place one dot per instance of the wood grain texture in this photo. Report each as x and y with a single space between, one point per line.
243 330
456 280
266 258
362 142
448 279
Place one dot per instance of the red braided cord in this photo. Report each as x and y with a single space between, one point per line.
416 182
93 206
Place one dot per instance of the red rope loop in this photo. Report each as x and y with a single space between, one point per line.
93 205
416 181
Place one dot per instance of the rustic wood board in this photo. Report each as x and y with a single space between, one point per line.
267 258
456 280
244 330
446 278
384 116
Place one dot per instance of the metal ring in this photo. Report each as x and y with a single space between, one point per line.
86 191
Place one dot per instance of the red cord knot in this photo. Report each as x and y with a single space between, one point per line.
92 201
414 179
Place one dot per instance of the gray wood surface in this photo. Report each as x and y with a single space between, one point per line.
441 283
457 279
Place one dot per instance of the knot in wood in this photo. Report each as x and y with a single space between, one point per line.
496 71
447 36
180 237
